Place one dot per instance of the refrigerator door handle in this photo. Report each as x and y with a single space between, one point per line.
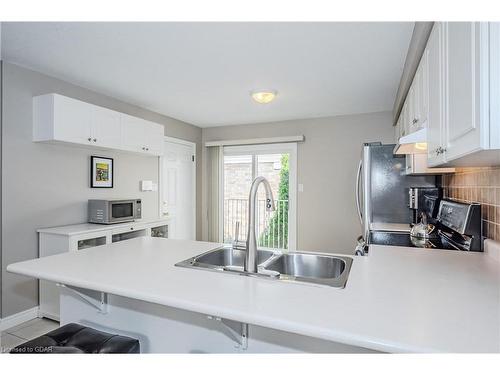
358 192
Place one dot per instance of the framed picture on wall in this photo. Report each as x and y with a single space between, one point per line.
101 172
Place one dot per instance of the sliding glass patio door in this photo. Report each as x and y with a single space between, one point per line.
241 165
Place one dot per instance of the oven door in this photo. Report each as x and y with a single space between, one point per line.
121 211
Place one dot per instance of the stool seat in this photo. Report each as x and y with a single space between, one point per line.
76 338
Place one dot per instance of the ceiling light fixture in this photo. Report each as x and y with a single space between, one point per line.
264 96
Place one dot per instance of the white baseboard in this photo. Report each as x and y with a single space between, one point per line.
19 318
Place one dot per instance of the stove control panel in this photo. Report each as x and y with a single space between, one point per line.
457 215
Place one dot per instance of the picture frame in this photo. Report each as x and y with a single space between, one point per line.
101 172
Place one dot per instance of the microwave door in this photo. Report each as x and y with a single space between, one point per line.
122 211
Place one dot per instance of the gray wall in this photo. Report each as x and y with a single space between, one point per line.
327 163
48 185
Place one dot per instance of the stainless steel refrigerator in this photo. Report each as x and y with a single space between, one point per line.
382 187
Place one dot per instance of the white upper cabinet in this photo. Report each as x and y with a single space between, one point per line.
137 140
467 134
464 84
436 97
455 94
134 136
422 112
106 129
57 118
155 142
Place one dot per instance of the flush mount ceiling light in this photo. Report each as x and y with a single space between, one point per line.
264 96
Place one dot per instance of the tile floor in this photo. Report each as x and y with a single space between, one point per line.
24 332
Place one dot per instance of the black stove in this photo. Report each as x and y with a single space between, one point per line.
458 227
441 241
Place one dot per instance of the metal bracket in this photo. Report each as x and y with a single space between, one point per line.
101 305
238 331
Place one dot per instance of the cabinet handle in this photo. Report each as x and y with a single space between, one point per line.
415 121
89 139
440 150
147 148
95 139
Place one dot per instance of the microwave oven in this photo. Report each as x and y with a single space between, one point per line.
104 211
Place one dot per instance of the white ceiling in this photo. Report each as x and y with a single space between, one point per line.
202 73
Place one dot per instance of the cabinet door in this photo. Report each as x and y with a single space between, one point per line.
155 139
134 133
72 120
436 115
413 96
423 102
397 129
106 128
462 47
404 118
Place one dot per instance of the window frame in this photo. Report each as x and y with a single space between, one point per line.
269 148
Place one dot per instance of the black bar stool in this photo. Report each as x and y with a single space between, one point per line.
75 338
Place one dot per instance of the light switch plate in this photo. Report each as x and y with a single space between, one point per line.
146 185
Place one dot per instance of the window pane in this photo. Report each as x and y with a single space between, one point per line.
237 183
273 226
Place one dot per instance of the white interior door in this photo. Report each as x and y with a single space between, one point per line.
179 189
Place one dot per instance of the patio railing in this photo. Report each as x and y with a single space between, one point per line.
272 227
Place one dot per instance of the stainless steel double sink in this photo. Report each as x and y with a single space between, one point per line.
314 268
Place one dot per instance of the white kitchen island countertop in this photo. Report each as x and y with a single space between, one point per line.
396 299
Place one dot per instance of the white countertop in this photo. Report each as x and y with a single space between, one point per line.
396 299
76 229
390 227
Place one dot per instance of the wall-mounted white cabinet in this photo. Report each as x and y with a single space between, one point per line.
423 107
57 118
455 94
415 109
437 111
135 139
471 133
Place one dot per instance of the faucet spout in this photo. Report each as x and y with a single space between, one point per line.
251 253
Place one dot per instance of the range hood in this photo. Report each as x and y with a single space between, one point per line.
413 143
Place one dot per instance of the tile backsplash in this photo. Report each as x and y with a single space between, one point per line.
478 185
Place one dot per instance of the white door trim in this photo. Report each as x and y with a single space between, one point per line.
272 148
160 177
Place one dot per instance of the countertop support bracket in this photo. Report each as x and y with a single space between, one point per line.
100 304
237 330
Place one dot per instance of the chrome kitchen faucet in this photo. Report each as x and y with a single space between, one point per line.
251 253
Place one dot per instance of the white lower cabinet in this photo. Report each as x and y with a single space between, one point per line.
59 240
